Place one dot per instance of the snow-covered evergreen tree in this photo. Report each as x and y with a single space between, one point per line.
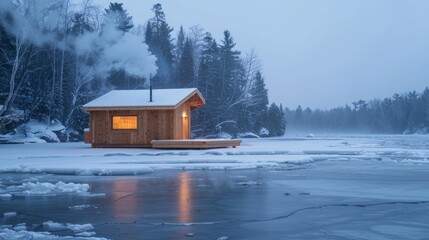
118 16
158 38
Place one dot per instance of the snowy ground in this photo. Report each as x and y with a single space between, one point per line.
273 153
354 187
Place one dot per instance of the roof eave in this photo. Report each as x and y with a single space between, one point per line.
116 108
196 91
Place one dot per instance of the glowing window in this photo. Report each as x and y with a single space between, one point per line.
124 122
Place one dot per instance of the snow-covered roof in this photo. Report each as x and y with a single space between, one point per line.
140 98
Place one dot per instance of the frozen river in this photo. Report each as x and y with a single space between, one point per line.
334 198
327 200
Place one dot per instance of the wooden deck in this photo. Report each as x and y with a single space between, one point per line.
195 143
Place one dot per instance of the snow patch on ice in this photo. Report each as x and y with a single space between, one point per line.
80 207
46 188
85 234
6 233
54 226
9 214
76 228
222 238
249 183
20 227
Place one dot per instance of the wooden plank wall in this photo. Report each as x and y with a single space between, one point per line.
152 125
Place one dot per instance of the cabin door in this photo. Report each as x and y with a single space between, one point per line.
185 127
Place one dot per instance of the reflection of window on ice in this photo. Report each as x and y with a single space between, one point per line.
184 198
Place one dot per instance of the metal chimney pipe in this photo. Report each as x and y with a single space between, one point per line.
150 88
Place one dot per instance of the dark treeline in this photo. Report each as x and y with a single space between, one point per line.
401 113
56 58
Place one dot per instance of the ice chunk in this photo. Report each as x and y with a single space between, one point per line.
39 188
5 195
86 194
20 227
79 207
77 228
222 238
85 234
54 226
23 234
9 214
249 183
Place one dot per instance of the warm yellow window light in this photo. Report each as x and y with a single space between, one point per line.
124 122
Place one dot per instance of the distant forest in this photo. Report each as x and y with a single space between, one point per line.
54 58
400 114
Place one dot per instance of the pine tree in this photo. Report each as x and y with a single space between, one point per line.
283 122
425 106
80 25
274 120
208 75
158 38
180 44
186 69
118 16
230 89
230 84
258 102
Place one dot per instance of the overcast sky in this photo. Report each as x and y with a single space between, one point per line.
320 54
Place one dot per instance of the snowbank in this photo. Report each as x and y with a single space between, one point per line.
35 131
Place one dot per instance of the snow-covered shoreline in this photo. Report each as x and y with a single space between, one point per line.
81 159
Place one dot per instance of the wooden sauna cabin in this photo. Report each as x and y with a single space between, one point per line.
129 118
